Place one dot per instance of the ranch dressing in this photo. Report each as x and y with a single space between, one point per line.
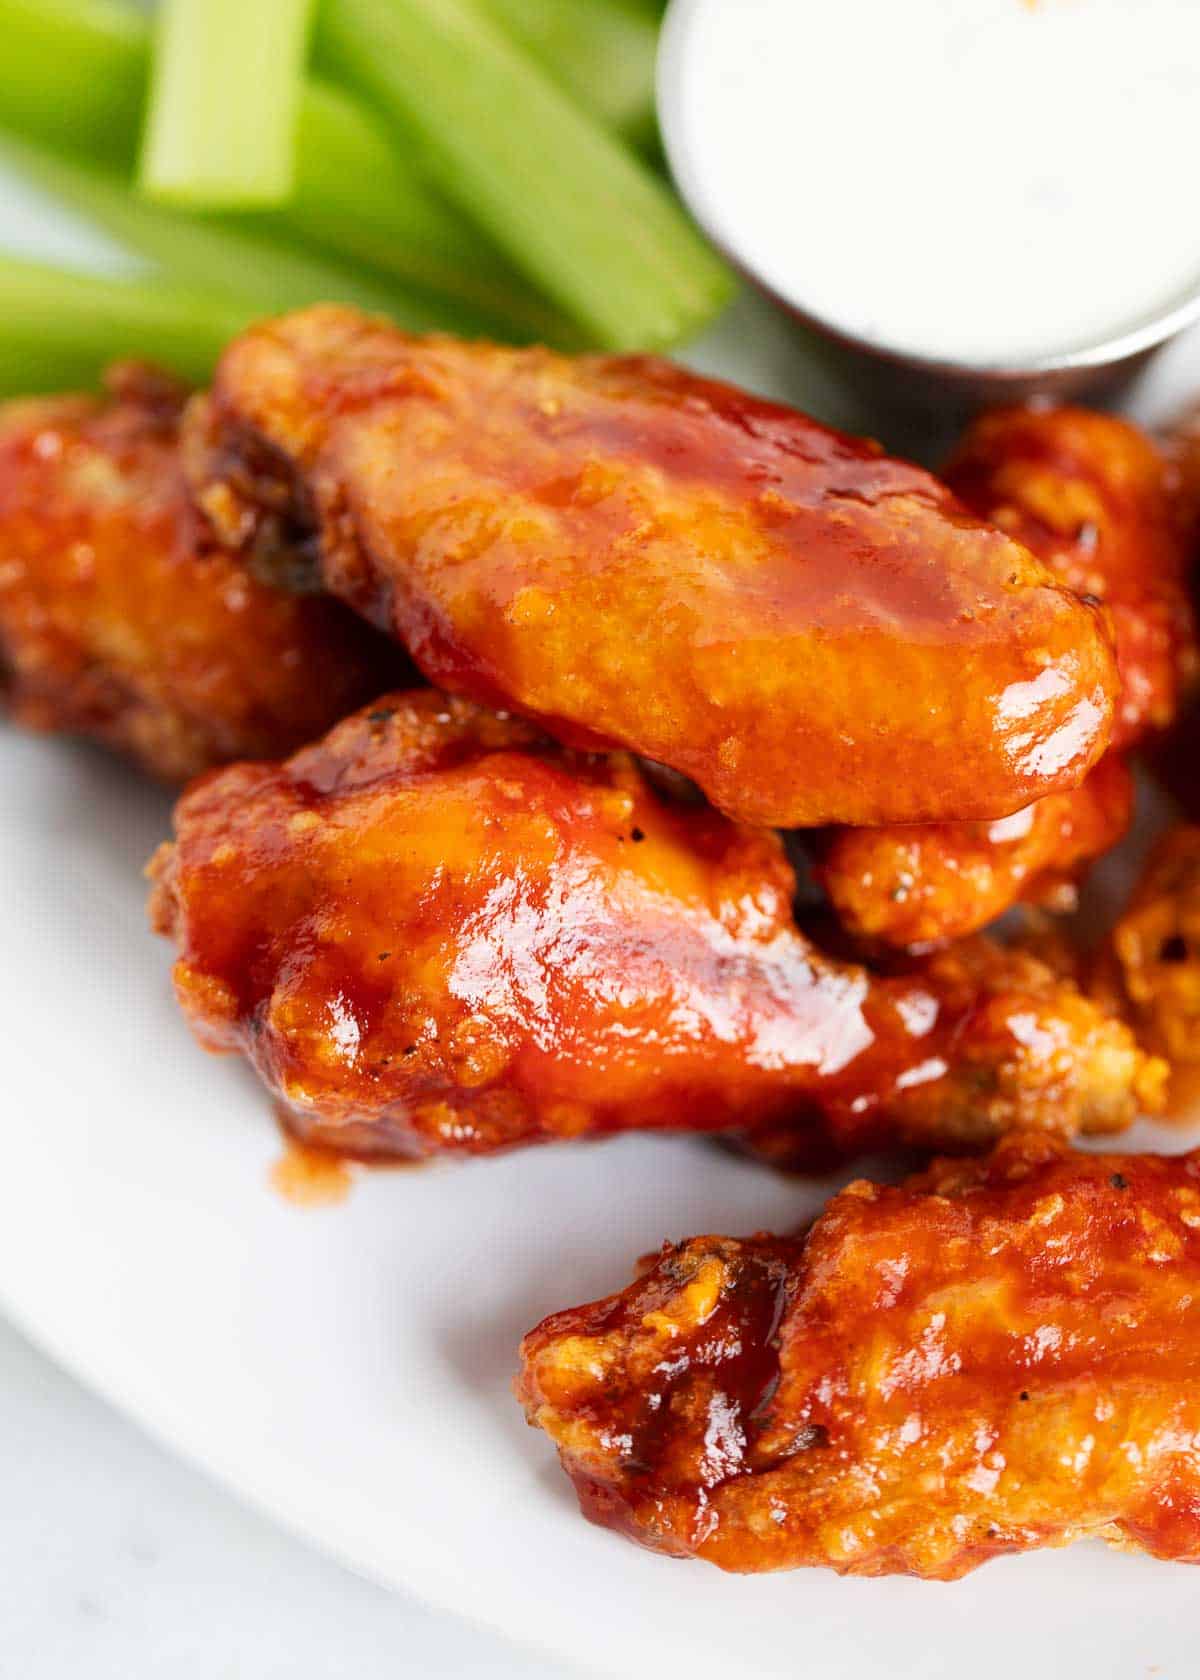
985 182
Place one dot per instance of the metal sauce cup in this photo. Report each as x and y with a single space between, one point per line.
884 373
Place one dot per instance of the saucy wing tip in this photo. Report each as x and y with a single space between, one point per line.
435 931
637 557
998 1355
1100 504
123 619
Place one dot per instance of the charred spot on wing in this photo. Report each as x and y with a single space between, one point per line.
284 560
283 548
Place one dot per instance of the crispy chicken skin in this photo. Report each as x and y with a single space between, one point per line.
435 931
927 883
1094 499
638 557
997 1355
1018 1045
1099 502
1154 951
121 619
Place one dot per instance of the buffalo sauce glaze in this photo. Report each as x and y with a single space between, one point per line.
1098 502
1108 512
734 1365
308 1177
995 1356
924 884
639 557
436 931
121 619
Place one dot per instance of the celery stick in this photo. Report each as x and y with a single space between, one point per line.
582 217
601 51
355 194
73 72
221 255
224 90
60 328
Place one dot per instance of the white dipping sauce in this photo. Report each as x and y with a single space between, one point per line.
978 181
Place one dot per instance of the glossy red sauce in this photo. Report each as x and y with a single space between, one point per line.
434 931
638 557
995 1356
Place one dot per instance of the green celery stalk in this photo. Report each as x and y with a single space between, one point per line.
224 91
601 51
221 255
356 195
73 72
580 215
59 329
73 75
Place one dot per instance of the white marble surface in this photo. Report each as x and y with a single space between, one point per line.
117 1562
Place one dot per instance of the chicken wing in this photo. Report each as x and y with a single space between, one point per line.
1098 502
924 884
995 1356
1094 499
635 556
121 619
1155 949
435 931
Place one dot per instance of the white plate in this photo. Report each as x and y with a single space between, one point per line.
348 1368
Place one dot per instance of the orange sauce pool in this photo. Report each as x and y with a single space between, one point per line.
309 1177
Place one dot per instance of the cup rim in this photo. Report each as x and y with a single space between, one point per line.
1147 333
